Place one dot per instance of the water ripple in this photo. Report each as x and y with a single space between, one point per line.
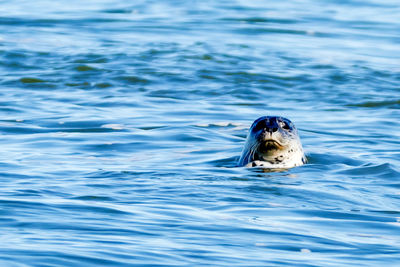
122 124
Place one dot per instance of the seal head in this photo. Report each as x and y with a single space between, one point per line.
272 142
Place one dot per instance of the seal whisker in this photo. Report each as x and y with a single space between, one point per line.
254 149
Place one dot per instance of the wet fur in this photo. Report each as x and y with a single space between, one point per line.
257 153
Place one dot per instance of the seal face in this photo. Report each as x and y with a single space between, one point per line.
272 142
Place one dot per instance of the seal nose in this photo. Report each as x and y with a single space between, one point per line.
271 129
271 126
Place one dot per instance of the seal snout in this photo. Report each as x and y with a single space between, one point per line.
271 144
271 127
269 135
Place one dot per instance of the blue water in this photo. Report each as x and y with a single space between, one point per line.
121 124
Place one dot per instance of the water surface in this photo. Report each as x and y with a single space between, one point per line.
121 125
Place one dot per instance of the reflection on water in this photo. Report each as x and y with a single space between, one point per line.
122 125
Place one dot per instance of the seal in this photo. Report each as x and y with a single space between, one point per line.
273 143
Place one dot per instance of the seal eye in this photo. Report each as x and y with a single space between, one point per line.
259 126
284 125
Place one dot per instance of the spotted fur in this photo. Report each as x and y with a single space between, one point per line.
272 142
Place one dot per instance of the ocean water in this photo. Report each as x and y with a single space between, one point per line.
121 125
